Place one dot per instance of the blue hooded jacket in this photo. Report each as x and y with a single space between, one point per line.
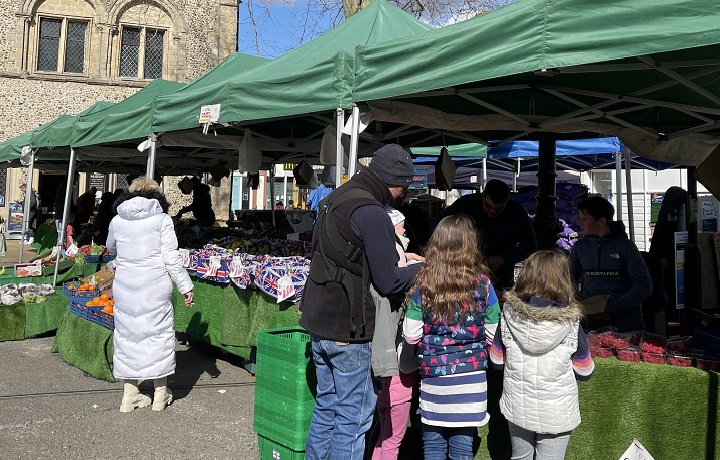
613 265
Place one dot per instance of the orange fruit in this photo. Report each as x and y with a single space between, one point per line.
105 296
91 287
108 308
90 303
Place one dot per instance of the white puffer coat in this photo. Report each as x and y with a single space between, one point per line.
143 237
540 393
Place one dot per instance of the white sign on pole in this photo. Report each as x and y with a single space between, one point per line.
209 113
681 241
636 451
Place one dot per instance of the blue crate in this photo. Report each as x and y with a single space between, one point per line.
107 258
78 294
80 309
92 259
96 315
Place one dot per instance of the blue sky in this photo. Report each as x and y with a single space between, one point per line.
281 30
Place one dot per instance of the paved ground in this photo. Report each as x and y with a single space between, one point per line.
12 253
50 410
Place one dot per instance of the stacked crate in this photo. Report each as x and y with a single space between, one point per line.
285 386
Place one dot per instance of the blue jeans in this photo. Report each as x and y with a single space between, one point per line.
346 396
441 443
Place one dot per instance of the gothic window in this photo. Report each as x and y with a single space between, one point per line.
61 45
141 52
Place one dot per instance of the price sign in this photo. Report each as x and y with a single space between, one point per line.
236 268
185 254
213 265
636 451
286 289
71 250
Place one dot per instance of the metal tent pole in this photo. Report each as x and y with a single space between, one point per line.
354 139
340 123
150 172
66 211
628 190
26 203
618 186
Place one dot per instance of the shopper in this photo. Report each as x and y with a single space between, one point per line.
504 226
353 246
452 314
609 269
85 206
543 350
143 237
397 388
103 218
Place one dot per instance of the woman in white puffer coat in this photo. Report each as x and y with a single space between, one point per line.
147 263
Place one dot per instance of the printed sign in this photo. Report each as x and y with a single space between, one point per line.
15 218
286 289
29 269
71 250
419 178
681 241
185 254
209 113
708 216
636 451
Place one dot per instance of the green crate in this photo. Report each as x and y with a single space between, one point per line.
285 385
270 450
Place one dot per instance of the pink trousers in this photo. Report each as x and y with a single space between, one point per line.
394 408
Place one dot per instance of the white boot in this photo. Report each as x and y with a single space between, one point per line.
163 396
132 398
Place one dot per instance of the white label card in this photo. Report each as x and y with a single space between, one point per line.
636 451
213 265
286 289
71 250
185 254
236 268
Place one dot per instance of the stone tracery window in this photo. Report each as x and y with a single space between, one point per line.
141 52
61 45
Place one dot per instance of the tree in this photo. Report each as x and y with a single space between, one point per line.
310 18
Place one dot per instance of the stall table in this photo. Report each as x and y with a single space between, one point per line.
25 320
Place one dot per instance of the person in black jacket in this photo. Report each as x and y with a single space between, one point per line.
353 245
201 205
103 218
504 226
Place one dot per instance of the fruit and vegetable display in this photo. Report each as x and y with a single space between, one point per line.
649 348
12 293
91 253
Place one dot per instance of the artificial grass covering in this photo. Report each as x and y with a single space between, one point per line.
85 345
230 318
24 320
12 322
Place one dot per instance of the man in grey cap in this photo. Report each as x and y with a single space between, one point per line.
353 246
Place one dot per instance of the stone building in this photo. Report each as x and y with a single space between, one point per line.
61 56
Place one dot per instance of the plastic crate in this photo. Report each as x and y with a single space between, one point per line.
75 293
96 315
270 450
80 309
88 259
107 258
285 385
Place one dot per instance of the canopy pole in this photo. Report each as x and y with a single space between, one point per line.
354 139
272 193
66 211
628 190
546 224
339 154
26 203
150 172
618 186
484 173
516 174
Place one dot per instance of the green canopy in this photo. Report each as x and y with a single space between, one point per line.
645 71
11 149
128 119
59 132
313 77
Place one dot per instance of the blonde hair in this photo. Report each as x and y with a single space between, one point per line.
452 268
546 274
142 184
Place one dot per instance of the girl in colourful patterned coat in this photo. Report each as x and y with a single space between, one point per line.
452 314
543 350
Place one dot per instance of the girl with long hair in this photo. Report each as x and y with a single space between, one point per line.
543 350
452 314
